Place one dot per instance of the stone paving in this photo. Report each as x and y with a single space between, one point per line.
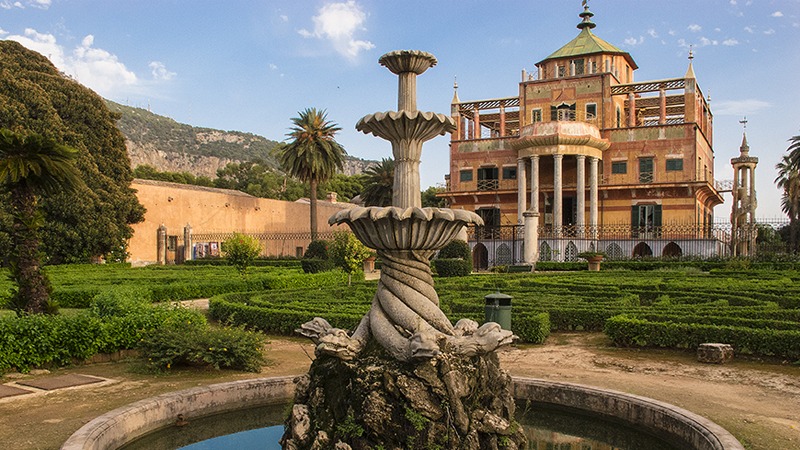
32 386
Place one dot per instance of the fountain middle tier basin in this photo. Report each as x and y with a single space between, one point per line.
393 228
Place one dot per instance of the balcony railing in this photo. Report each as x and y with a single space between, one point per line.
488 185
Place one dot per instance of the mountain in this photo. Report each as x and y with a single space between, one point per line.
171 146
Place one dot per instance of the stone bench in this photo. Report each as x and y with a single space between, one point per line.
714 353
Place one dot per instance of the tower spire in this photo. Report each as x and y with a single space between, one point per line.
690 70
586 15
455 91
744 149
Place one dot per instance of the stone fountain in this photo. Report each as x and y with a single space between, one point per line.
406 377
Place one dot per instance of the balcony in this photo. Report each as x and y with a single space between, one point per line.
488 185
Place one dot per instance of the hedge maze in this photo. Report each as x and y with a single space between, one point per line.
757 312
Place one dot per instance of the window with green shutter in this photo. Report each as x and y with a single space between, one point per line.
619 167
675 164
465 175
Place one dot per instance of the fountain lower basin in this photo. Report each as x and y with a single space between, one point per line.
123 425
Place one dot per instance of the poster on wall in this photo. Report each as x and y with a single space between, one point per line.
214 249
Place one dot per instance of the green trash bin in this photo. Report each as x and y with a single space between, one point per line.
498 309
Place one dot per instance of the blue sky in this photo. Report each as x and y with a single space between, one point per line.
252 65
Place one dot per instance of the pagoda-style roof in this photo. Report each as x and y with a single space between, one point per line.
587 43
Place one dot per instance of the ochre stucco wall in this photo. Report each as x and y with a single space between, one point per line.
210 210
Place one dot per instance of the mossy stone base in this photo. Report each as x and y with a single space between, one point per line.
376 402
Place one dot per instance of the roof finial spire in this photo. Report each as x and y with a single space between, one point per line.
690 70
455 91
586 15
745 148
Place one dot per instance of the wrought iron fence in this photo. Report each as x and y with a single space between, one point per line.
766 240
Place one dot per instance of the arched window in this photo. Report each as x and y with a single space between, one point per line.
642 250
571 252
672 250
545 252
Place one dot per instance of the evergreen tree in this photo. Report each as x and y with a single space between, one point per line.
94 220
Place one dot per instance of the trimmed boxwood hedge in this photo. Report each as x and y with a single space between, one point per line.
628 331
452 267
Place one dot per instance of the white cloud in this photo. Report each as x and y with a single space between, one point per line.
273 66
749 30
770 31
3 32
94 67
160 72
40 4
717 29
739 107
284 18
652 33
777 14
338 23
706 41
730 42
671 32
694 28
733 2
633 41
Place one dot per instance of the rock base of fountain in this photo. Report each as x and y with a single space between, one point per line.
376 402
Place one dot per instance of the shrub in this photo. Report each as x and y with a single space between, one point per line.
121 301
456 249
316 265
348 253
182 344
452 267
317 249
240 250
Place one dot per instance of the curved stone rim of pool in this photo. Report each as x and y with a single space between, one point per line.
123 425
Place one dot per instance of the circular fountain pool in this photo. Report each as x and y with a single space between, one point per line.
609 411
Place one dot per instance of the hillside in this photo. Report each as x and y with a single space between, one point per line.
171 146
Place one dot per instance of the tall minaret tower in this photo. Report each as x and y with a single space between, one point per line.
743 212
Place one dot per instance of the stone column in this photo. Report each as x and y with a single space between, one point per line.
631 110
662 107
593 181
557 181
161 245
580 192
530 253
187 242
477 126
502 119
521 178
534 183
752 205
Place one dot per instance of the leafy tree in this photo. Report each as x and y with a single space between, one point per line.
32 166
788 180
94 219
313 156
240 250
379 184
348 253
430 200
346 186
148 172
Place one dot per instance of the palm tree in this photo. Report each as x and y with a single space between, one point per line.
788 180
379 184
32 166
313 155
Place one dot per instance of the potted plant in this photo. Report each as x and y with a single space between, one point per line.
594 258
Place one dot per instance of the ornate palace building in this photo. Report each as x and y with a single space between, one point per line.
590 158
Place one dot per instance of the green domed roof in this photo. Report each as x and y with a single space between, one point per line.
586 43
